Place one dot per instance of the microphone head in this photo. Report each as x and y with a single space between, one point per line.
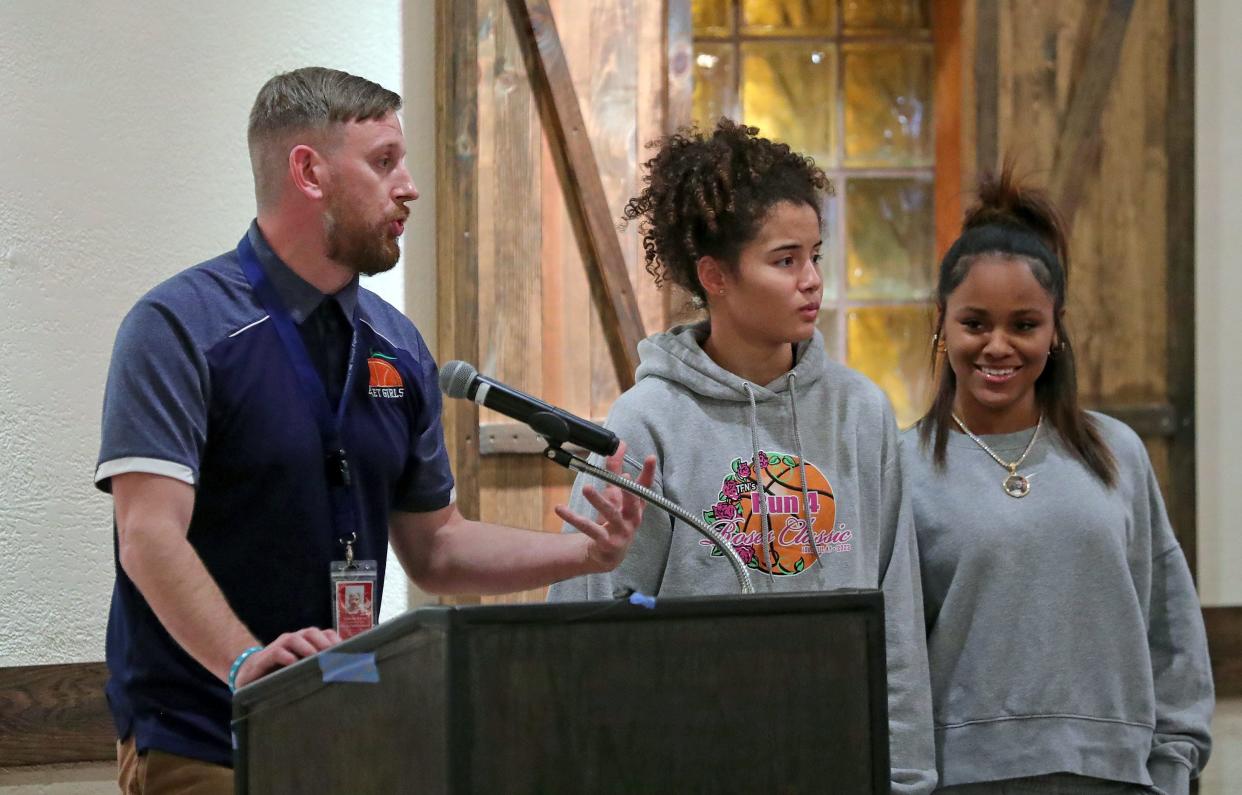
455 378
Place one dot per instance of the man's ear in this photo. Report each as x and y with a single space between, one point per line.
308 170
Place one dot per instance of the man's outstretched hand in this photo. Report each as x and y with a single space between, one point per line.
618 514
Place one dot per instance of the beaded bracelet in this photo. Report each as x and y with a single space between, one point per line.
237 664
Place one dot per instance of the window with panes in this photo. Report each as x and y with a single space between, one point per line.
848 82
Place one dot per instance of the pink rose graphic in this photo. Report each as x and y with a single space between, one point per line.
730 489
724 510
763 460
747 554
743 470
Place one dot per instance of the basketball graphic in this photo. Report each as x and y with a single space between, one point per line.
737 514
385 380
383 373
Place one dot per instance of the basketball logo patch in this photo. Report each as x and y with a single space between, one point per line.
385 380
738 514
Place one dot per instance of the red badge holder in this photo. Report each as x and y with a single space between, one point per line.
353 592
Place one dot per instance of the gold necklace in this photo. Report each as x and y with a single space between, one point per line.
1015 485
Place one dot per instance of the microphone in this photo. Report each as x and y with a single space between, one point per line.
459 379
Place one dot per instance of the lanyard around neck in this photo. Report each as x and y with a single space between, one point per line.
310 384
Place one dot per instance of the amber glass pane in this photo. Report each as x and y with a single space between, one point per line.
714 84
830 326
787 92
891 345
888 120
889 238
789 17
831 250
861 15
711 17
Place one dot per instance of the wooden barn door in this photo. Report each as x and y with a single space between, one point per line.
537 289
1095 101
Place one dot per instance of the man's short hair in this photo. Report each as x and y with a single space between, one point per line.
306 102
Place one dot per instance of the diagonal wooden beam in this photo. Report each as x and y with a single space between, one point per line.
1078 140
579 177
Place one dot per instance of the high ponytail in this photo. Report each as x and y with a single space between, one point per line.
1019 222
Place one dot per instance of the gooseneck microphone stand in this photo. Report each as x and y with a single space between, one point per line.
555 432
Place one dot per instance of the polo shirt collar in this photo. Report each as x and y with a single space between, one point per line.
299 296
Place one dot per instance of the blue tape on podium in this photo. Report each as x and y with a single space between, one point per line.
642 600
345 667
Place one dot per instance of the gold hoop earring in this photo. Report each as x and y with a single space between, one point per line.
938 344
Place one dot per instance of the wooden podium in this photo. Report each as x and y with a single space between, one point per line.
757 694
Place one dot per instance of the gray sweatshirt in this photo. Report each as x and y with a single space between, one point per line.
698 419
1063 628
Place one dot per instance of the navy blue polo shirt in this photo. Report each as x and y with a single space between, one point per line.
200 390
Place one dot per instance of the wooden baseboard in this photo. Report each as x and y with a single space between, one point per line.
1224 633
55 713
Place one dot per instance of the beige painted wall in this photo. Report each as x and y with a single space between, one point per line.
1218 297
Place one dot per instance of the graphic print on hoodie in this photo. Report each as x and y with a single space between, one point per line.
737 514
703 423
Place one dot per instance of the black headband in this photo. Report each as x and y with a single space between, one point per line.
1006 238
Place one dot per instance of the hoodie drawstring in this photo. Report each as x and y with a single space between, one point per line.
806 496
765 523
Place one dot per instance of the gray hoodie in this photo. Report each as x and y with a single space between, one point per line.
1063 628
706 427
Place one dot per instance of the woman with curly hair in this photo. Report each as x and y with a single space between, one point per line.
792 457
1066 643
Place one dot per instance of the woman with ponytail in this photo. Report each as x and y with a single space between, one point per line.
1065 639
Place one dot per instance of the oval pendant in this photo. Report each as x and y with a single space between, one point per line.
1016 486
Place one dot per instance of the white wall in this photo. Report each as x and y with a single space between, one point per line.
122 161
1218 297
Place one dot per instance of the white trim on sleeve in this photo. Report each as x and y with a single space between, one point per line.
153 466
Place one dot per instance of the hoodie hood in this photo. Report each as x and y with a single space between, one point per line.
677 355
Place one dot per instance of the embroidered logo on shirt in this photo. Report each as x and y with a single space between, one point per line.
385 380
737 515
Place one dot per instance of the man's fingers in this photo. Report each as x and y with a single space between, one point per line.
632 504
319 638
581 524
300 646
647 476
608 510
615 461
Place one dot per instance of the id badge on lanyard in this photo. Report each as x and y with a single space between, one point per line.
353 593
353 582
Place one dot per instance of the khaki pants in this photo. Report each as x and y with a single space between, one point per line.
156 773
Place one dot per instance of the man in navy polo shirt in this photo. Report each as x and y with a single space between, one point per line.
264 414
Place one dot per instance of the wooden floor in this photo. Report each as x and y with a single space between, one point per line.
1223 775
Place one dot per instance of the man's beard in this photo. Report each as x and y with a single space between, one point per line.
352 243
